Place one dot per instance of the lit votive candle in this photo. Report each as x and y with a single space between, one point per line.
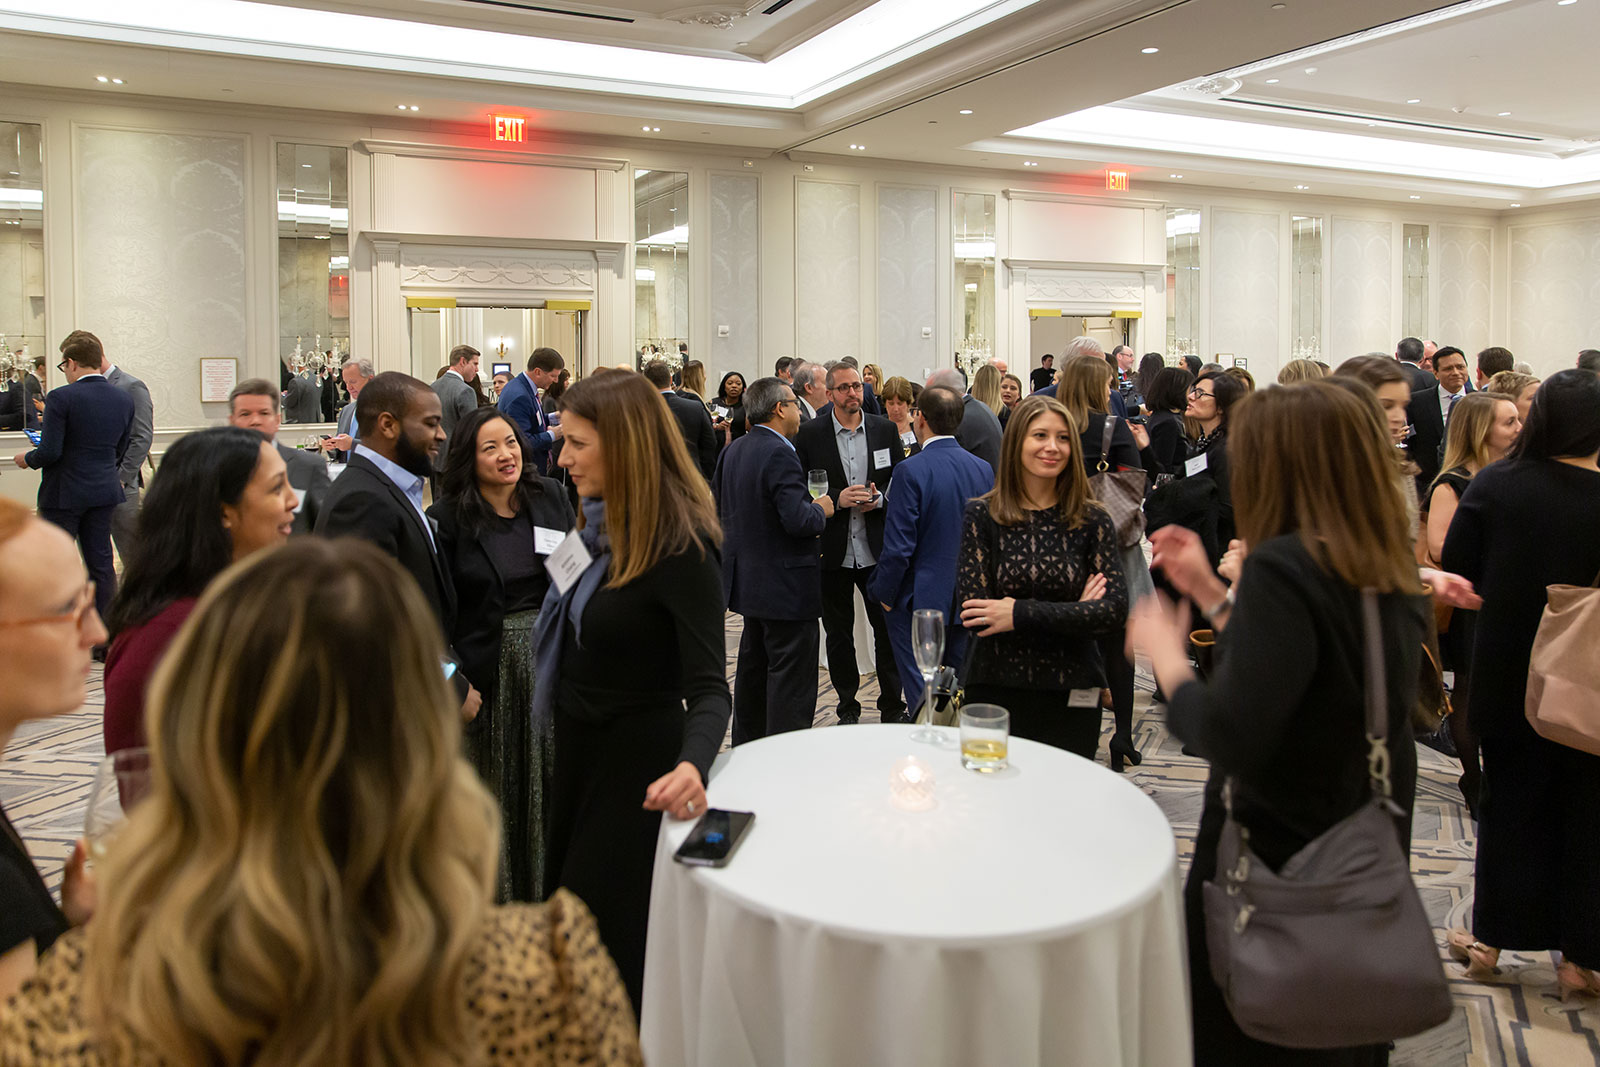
911 785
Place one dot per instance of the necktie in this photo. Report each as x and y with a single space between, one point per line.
1451 409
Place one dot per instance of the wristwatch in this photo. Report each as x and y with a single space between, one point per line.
1220 606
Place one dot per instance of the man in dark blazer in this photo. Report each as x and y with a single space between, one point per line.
860 452
770 567
253 405
922 533
302 400
1428 414
693 418
519 401
33 396
980 431
378 498
809 390
1410 352
87 426
12 401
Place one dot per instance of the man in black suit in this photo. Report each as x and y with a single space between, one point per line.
87 426
253 405
1492 361
980 431
859 451
1410 352
809 389
1429 414
693 418
378 498
33 396
770 567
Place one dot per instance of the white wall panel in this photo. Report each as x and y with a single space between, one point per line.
1464 267
734 241
1069 232
1362 305
1245 298
827 269
1555 293
161 257
417 194
907 240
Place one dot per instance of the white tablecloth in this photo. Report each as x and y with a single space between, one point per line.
1032 917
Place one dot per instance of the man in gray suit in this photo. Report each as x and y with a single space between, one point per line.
356 374
979 432
125 519
253 405
302 400
456 398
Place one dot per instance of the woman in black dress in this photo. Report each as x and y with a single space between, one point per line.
1039 579
1211 398
48 627
1321 508
497 522
1483 427
630 656
727 409
1167 397
1523 525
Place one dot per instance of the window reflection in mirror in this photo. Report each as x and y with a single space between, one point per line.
660 264
21 265
1414 317
313 210
1305 245
973 225
1183 282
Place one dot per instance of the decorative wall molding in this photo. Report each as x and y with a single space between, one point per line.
1108 290
1080 198
491 155
435 267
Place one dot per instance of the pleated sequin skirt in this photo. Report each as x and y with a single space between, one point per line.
514 762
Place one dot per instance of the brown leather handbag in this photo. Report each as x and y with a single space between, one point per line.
1119 491
1563 702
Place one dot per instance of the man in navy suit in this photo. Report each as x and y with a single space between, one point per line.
771 565
922 533
87 426
519 402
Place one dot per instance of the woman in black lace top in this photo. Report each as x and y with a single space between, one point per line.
1039 578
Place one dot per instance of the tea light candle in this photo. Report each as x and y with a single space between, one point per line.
911 785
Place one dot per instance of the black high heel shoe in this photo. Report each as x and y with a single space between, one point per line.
1122 749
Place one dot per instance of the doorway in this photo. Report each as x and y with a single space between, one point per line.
506 336
1049 334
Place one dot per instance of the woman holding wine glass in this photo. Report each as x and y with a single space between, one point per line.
1039 579
48 627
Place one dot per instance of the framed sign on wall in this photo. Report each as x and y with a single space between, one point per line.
218 376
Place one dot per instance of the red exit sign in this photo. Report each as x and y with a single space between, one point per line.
1117 181
509 128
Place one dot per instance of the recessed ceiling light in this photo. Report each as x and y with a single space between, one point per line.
400 107
1302 187
1414 196
1565 3
651 129
1272 81
1503 114
116 81
1279 7
306 165
1311 70
1174 175
1149 51
1029 163
1414 100
965 111
413 107
1516 205
101 78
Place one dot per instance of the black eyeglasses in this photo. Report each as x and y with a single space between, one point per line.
1199 393
62 366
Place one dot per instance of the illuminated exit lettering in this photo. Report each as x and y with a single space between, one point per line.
508 128
1117 181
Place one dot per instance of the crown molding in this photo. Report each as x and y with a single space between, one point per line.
489 155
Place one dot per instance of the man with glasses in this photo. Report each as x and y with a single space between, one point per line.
859 451
88 424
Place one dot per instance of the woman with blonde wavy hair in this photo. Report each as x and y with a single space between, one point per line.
986 388
308 879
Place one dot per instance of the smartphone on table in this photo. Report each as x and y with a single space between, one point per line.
715 837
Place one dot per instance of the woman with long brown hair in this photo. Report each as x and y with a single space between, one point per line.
986 388
630 655
308 878
1039 580
1320 508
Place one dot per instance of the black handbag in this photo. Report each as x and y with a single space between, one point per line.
1334 949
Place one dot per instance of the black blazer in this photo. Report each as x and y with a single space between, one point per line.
364 503
87 427
817 445
979 432
308 474
12 403
770 525
695 422
1426 447
478 584
1168 446
1420 379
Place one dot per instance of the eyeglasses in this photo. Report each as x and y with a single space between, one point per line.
796 403
62 366
1199 393
75 614
848 387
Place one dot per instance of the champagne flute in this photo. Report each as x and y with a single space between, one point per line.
927 644
120 781
816 483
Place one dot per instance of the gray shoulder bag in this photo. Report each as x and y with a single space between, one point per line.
1333 950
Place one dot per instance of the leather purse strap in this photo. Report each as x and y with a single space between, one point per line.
1377 697
1105 445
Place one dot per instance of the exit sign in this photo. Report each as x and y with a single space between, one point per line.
509 128
1117 181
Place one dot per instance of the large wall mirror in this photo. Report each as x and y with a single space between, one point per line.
504 336
313 202
660 264
1306 248
1183 282
973 225
21 255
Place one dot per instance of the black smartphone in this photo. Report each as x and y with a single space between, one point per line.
713 840
1137 419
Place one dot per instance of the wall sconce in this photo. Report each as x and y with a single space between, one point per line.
911 785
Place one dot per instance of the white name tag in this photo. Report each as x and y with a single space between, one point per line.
880 458
908 439
545 540
1083 698
1195 465
568 562
300 498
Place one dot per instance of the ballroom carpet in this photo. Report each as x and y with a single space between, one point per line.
1517 1020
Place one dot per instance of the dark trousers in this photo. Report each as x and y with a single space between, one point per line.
125 524
1043 715
91 528
898 623
775 689
839 588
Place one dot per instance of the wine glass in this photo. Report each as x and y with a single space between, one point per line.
120 781
816 483
927 644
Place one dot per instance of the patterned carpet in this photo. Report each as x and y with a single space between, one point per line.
1517 1020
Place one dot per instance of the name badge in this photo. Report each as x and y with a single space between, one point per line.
546 541
880 458
1195 464
568 562
1083 698
300 497
908 439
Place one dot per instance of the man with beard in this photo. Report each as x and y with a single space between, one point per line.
378 498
